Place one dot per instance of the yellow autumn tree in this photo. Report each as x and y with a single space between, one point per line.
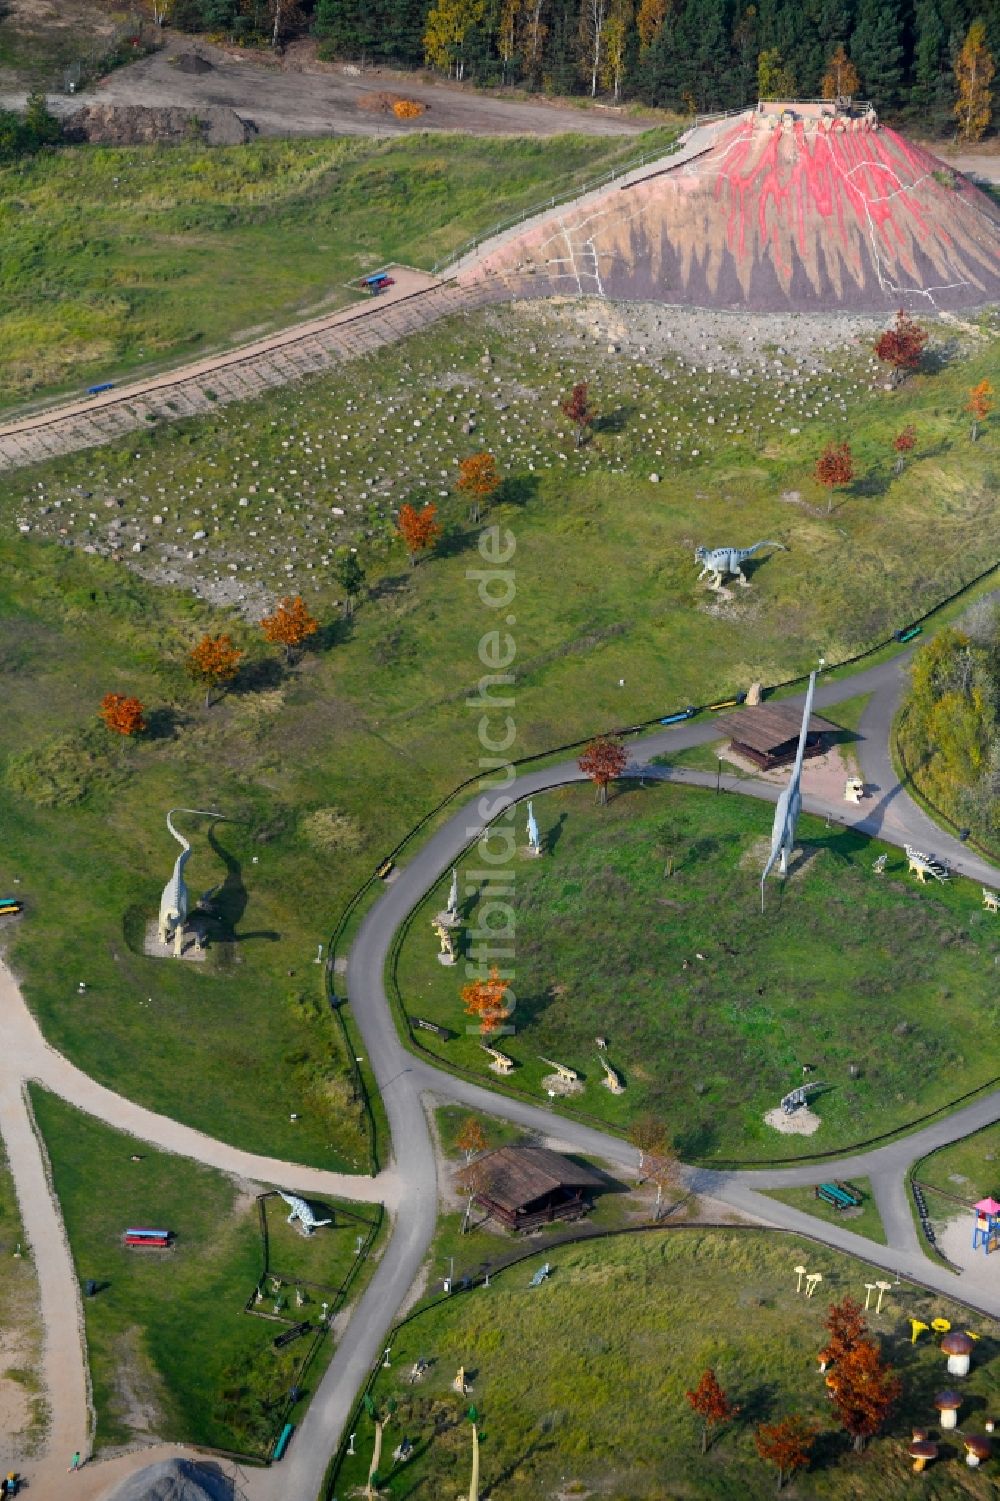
974 70
775 79
616 33
649 19
448 24
841 76
510 12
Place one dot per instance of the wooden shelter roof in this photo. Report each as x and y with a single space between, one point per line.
514 1177
765 727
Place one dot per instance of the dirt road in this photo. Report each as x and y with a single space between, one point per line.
305 98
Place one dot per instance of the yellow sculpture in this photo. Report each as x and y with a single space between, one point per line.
612 1080
447 954
458 1384
566 1074
917 1327
501 1063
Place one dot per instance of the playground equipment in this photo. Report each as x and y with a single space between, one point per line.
854 790
986 1230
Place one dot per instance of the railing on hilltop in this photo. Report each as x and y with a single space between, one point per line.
554 201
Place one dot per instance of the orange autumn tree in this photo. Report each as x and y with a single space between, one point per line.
980 405
471 1138
786 1445
864 1388
604 759
418 529
841 76
486 1000
835 466
845 1324
712 1406
214 661
291 625
479 479
122 715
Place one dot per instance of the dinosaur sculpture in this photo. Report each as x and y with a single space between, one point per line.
612 1079
923 865
301 1212
174 901
723 560
534 839
786 814
566 1074
501 1063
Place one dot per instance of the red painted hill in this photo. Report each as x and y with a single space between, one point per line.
783 210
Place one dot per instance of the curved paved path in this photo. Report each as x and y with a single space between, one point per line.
409 1187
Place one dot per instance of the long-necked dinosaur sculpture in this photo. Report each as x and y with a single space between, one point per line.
174 901
786 814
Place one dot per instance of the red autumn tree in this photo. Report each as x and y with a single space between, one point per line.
864 1388
486 1001
835 466
603 761
291 625
711 1404
479 479
980 405
786 1445
579 411
901 346
471 1138
418 529
903 443
122 715
845 1324
214 661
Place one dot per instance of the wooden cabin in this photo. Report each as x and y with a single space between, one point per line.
526 1187
768 734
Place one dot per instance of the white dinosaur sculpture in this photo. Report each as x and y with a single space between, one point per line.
923 865
174 901
786 814
301 1212
718 561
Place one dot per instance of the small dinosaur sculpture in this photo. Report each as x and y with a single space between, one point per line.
301 1212
923 865
501 1063
566 1074
723 560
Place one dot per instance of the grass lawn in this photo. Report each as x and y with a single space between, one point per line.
20 1344
118 257
709 1009
865 1220
580 1383
969 1168
172 1353
374 723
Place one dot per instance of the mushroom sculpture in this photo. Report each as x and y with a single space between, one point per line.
922 1451
958 1348
947 1404
977 1448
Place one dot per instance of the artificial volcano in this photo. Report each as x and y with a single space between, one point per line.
789 207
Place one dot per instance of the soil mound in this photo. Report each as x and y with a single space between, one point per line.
780 211
141 125
176 1480
192 62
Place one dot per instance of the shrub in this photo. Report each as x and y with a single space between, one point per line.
330 831
63 769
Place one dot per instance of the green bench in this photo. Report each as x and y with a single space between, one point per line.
838 1195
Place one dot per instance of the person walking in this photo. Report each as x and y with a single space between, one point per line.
74 1462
